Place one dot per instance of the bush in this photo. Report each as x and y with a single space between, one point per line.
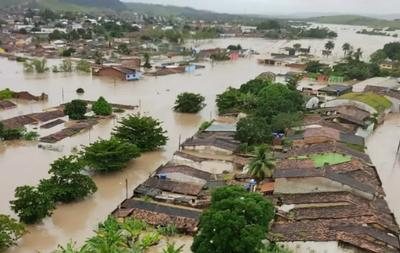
31 205
76 109
83 66
109 155
11 134
102 107
10 232
80 91
6 94
189 103
144 132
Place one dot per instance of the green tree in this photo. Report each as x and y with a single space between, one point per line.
76 109
31 205
277 98
40 65
358 54
10 232
233 213
102 107
253 130
147 63
124 49
109 155
229 101
314 67
297 46
145 132
66 183
283 121
261 166
378 56
66 66
330 45
254 86
189 102
392 50
83 66
98 57
346 47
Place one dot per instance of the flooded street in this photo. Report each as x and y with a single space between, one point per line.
23 163
382 148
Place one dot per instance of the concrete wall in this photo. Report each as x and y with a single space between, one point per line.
357 104
209 150
213 166
313 185
179 177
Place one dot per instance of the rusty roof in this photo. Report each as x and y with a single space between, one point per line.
173 186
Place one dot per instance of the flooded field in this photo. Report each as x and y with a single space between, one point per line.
23 163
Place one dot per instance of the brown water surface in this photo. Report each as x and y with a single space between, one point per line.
23 163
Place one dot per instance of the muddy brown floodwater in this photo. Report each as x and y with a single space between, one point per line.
382 148
23 163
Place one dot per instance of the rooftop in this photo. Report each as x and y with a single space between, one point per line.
379 103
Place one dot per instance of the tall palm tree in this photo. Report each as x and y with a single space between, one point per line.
346 48
261 166
358 54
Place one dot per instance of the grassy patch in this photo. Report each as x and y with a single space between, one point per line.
380 103
329 158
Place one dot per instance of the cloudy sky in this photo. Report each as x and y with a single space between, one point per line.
377 7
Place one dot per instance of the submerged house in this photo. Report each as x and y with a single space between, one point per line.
118 72
216 139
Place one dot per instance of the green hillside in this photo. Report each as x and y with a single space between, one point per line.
356 20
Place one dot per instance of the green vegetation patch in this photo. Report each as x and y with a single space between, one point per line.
380 103
329 158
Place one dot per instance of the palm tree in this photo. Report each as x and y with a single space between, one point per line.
358 54
261 166
346 48
171 248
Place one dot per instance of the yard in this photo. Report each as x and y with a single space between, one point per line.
380 103
329 158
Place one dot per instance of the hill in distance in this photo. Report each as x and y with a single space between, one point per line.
356 20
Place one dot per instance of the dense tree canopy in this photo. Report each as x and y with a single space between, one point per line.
253 130
109 155
10 232
144 132
66 183
76 109
102 107
32 205
189 102
277 98
236 222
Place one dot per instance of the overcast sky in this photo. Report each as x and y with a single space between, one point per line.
377 7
